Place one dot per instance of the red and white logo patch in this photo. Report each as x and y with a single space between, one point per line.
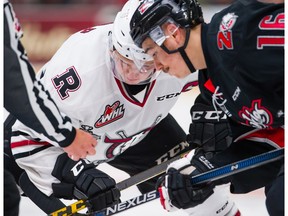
224 36
228 21
256 116
111 113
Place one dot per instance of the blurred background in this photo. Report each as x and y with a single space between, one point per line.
48 23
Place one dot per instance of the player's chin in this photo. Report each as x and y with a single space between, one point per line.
178 74
172 73
169 72
132 81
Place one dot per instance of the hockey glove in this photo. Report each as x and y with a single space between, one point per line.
209 129
80 180
175 187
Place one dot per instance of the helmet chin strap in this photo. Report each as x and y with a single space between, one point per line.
182 51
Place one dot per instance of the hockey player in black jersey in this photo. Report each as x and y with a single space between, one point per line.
240 58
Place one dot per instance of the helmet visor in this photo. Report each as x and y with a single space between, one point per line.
132 72
157 34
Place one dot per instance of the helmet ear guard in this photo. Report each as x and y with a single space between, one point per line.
150 14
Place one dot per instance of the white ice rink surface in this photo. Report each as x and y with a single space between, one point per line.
252 204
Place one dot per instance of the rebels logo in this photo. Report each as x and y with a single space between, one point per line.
119 145
256 116
69 81
224 36
112 113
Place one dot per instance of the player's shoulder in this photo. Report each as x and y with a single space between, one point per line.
84 49
245 11
240 23
93 30
90 35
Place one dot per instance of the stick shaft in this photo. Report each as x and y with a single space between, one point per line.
147 174
218 173
134 180
239 166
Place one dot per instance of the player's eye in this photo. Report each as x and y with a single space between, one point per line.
124 63
154 54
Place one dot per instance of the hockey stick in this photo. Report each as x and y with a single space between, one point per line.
212 175
134 180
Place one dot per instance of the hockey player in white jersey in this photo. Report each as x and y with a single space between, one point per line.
110 89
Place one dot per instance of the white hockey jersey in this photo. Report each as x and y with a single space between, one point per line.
81 83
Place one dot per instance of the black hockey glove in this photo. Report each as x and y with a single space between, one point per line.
80 180
175 187
209 129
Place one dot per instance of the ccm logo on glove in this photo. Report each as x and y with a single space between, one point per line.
206 162
79 167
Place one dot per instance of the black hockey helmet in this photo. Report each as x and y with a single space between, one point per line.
153 13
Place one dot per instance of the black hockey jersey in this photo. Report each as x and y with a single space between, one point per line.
244 51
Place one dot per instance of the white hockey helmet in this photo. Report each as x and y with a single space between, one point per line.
124 50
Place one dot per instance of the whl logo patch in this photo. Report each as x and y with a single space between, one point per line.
112 113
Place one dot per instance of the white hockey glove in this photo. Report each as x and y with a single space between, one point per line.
176 191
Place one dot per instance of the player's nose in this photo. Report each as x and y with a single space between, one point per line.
158 65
